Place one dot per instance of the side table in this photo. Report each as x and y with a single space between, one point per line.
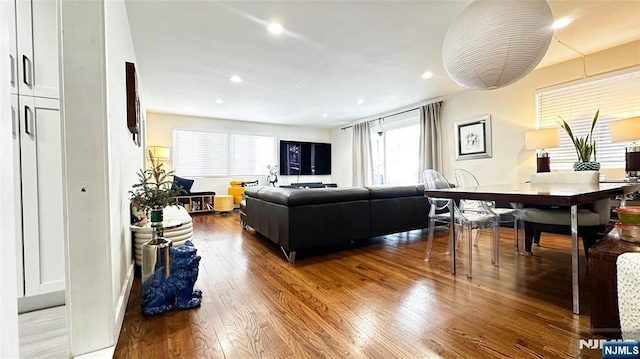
155 252
603 289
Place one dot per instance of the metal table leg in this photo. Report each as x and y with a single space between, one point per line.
575 263
452 237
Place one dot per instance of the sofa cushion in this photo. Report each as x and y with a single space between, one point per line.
184 182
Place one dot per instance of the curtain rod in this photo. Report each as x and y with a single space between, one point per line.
394 114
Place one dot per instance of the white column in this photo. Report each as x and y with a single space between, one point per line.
90 308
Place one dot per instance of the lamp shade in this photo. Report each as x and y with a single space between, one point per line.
495 43
625 130
159 152
543 138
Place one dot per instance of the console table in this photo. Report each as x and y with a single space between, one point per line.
603 289
526 193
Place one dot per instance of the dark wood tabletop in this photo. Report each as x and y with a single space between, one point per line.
553 194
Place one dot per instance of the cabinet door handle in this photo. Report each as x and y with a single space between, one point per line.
28 120
13 70
26 69
14 130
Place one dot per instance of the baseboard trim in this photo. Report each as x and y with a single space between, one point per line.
99 354
41 301
123 299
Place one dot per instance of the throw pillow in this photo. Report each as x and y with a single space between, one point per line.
184 182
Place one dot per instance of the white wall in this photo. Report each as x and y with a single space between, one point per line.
125 157
512 111
342 157
159 132
8 293
100 165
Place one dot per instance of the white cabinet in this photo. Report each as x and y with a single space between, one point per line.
37 142
10 18
37 48
42 195
17 190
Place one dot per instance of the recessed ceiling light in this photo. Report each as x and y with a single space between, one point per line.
235 78
427 75
359 101
219 101
562 22
324 115
275 28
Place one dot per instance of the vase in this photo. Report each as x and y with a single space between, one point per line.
157 216
586 166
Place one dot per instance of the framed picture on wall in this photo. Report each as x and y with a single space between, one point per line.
133 102
473 138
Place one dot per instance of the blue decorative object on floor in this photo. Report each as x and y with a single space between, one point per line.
161 294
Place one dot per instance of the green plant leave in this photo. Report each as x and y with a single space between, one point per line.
584 146
155 187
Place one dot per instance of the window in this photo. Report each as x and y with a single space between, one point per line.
252 154
221 154
615 96
395 152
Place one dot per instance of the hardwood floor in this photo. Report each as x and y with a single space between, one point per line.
373 299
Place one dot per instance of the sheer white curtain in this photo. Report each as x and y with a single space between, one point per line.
362 155
430 147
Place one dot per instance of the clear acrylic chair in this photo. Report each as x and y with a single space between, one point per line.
465 221
438 209
511 215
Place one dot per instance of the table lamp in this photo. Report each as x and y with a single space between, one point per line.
539 140
159 152
628 130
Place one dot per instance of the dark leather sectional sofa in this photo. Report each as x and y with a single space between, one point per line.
297 219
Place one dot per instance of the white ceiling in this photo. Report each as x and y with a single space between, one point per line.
331 54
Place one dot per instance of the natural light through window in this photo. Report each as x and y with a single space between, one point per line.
221 154
616 96
395 155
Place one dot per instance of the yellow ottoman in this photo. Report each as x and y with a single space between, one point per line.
236 192
223 203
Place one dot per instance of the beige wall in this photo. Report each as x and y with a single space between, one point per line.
160 127
512 111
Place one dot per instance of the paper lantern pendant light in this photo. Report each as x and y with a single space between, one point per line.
494 43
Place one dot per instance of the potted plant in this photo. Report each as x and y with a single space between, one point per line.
585 147
154 190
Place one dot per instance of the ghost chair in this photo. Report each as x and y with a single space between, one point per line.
465 221
510 215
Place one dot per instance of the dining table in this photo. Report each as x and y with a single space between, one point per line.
565 194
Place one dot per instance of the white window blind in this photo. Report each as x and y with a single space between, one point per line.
252 154
200 154
221 154
617 97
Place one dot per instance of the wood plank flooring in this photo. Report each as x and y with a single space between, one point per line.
372 299
43 333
